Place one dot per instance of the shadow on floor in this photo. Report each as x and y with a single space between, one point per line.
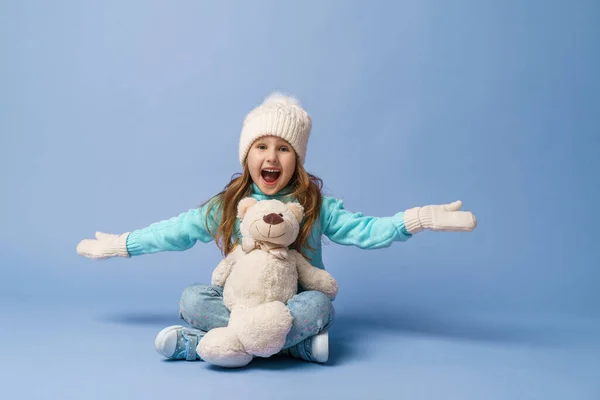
142 318
349 331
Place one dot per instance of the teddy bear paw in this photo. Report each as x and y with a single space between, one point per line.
262 330
220 346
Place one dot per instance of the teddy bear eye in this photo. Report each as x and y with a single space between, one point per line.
280 214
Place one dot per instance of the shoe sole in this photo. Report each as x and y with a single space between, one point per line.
320 347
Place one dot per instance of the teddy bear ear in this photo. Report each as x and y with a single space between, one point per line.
244 205
297 210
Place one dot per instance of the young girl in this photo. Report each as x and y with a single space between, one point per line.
272 150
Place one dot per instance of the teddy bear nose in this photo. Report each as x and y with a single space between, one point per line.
273 219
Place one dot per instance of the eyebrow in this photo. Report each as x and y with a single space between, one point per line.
279 142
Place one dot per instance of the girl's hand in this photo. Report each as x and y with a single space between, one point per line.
105 246
445 218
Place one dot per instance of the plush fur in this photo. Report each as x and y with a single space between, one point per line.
259 278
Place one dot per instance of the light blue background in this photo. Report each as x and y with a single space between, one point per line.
117 114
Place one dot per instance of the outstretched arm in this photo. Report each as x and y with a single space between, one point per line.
353 228
367 232
175 234
313 278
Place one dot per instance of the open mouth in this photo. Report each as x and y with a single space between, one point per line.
270 176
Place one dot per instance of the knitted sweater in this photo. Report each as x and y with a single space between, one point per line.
339 225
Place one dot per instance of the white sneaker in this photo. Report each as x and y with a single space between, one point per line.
178 343
313 349
320 347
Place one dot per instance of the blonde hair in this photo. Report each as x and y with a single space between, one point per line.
306 190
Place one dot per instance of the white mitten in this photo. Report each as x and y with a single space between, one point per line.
439 218
106 245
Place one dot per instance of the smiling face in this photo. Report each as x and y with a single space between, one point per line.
270 221
271 162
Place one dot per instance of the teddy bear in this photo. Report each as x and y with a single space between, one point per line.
258 279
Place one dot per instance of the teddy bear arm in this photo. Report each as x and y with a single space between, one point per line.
222 271
313 278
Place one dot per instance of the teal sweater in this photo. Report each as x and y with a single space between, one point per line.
339 225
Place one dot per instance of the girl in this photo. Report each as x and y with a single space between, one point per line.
272 150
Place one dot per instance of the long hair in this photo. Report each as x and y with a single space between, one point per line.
306 190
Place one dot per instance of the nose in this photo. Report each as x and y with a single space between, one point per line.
272 156
273 219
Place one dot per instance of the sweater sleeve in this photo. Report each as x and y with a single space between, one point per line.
353 228
175 234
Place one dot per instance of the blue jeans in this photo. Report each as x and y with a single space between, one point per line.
202 307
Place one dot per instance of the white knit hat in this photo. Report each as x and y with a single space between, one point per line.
278 115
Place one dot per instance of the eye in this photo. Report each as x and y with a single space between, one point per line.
284 148
261 146
280 214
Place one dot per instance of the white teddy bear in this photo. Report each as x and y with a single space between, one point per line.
258 279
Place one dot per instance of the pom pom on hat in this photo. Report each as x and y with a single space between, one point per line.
279 115
281 98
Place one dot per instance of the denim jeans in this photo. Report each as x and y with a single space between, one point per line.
202 307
